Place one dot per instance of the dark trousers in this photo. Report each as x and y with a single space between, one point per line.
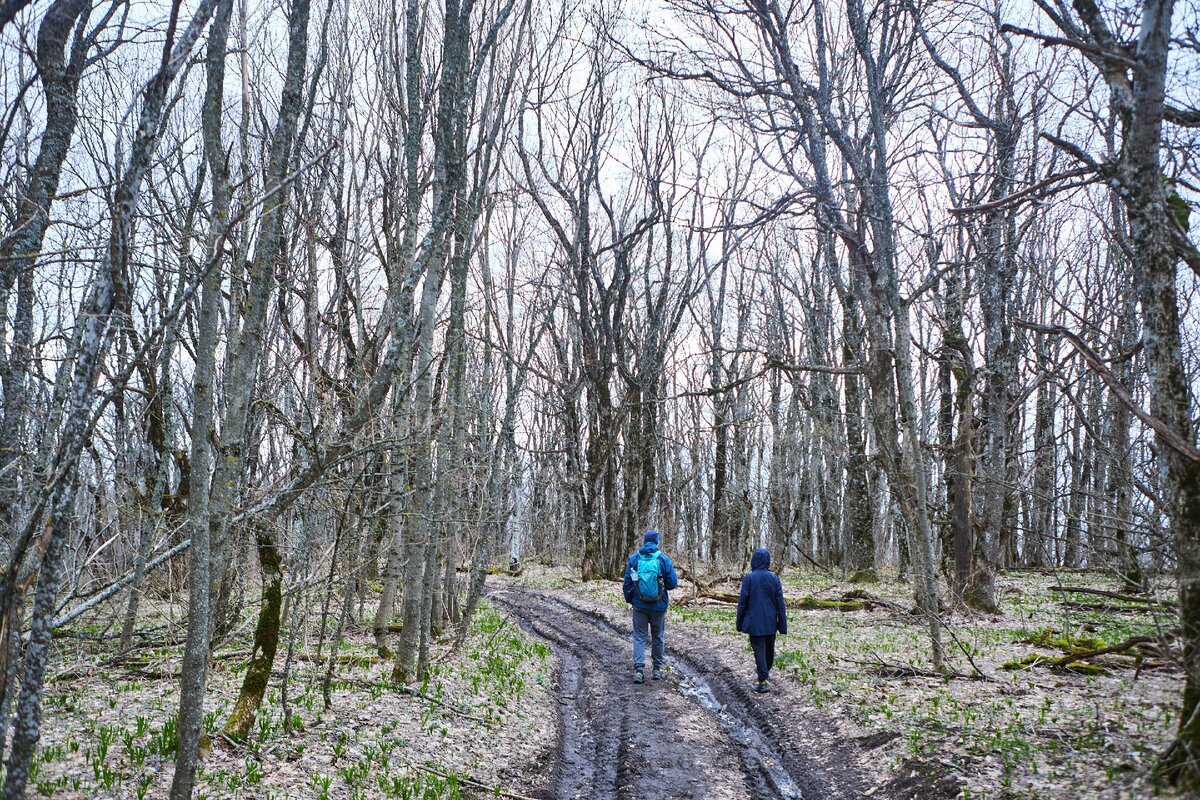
764 654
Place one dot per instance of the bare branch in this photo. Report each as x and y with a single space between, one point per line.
1168 436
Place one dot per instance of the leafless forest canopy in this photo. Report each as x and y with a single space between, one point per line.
301 296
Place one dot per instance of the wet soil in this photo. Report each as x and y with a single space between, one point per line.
699 733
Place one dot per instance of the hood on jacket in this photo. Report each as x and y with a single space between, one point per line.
648 548
761 559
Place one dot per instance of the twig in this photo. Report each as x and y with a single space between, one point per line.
966 651
116 586
813 561
1034 189
1084 47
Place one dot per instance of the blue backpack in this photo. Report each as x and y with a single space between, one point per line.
649 577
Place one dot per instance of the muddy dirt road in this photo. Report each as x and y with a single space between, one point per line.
699 733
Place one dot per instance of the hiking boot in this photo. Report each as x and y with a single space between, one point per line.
763 687
639 677
658 674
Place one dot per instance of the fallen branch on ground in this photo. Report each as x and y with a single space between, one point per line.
966 651
1126 598
855 600
871 601
717 598
886 670
1078 660
492 790
1108 608
343 659
1128 644
705 583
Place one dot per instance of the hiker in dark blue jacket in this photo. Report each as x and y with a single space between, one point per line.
761 613
649 575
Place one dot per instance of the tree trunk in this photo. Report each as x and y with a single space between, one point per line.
21 246
860 519
1073 533
19 251
241 369
266 637
960 457
194 667
1040 539
1139 183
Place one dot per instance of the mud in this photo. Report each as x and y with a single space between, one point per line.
699 733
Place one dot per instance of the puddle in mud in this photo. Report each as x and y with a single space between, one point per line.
760 756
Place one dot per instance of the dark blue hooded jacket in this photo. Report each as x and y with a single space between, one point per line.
670 579
761 611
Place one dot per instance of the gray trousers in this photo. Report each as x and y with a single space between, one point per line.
654 620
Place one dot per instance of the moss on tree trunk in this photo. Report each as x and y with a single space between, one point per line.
266 639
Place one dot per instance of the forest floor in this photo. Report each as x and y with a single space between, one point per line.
539 703
481 724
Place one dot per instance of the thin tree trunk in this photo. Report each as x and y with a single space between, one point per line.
860 517
21 246
266 637
1073 533
19 251
1040 547
194 668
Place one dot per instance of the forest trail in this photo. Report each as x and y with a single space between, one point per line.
699 733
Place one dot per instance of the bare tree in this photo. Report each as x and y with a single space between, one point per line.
1137 83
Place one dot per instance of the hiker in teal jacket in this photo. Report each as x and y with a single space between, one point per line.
649 575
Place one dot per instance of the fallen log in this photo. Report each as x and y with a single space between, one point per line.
1124 646
722 597
1038 660
1079 660
1126 598
871 601
888 670
855 600
811 603
343 659
1108 608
